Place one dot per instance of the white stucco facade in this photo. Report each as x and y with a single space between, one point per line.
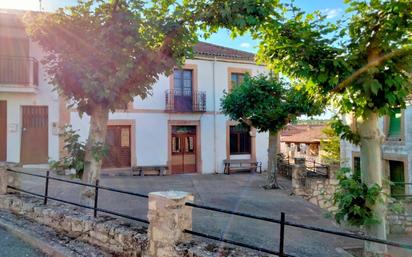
16 96
151 119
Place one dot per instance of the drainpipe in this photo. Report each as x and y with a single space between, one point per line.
214 115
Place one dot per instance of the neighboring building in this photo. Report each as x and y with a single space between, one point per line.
396 149
302 141
180 125
29 110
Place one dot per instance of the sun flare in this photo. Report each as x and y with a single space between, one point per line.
20 4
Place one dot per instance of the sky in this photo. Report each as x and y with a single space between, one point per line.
332 8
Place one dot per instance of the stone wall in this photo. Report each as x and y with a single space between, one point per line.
400 223
118 237
317 189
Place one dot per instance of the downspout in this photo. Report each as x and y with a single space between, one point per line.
214 115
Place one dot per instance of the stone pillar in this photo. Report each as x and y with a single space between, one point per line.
3 179
298 172
168 217
8 178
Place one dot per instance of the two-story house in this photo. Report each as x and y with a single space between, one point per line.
29 113
396 149
180 125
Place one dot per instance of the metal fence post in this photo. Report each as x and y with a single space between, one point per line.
96 198
282 234
46 189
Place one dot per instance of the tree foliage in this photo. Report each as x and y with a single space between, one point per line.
354 199
330 146
332 59
106 52
267 103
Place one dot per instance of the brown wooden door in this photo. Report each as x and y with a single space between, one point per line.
184 149
119 152
3 130
34 135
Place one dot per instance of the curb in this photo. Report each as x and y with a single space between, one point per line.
35 241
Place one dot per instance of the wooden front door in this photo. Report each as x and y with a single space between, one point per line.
3 130
119 152
183 149
34 135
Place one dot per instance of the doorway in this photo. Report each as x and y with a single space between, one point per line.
34 135
118 141
183 149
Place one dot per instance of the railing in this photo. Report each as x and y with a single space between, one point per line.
185 101
19 70
316 169
96 187
400 190
283 223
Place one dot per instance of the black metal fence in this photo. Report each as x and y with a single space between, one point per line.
282 221
401 190
97 187
179 100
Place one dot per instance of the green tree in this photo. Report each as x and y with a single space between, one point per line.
330 146
268 104
102 53
362 65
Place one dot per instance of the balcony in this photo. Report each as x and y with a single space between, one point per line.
19 74
185 101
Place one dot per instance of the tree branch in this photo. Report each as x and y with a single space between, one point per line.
400 52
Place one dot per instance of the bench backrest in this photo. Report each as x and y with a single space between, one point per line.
241 161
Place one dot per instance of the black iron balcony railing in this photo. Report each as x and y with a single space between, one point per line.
185 101
15 70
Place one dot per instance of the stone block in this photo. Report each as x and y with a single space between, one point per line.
168 217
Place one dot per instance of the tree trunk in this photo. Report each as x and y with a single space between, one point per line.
372 172
274 146
92 165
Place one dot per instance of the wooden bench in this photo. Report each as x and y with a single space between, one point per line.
246 164
140 170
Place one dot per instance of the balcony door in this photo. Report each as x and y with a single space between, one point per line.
3 130
14 62
183 149
34 135
183 90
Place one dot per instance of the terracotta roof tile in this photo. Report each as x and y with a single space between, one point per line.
211 50
302 134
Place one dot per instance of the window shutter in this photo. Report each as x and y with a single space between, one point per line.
395 124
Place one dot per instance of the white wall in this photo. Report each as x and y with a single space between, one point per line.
152 121
44 96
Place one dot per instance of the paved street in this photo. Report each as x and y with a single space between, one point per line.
11 246
240 192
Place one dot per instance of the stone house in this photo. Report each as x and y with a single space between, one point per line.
180 125
302 141
396 149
